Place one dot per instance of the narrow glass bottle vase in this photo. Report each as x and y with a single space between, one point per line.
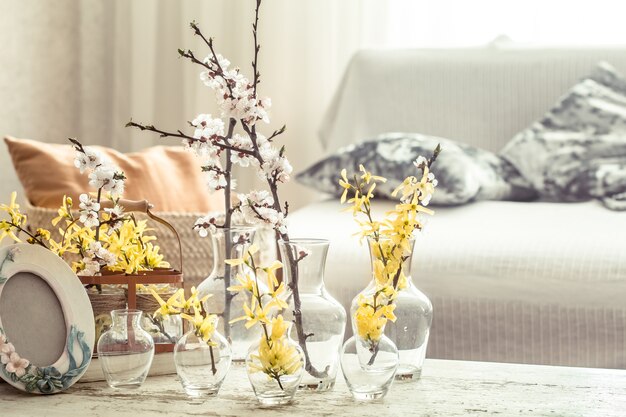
275 369
323 318
200 365
410 331
229 244
126 350
414 316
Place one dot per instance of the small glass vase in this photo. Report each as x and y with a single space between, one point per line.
126 350
200 366
280 388
368 367
323 317
229 244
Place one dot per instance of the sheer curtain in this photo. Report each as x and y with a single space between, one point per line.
84 68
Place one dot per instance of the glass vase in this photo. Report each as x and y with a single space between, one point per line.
275 370
368 367
229 244
202 366
126 350
410 331
322 317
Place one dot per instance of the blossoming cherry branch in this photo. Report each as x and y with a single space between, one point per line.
220 148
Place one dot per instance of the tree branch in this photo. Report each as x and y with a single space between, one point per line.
179 134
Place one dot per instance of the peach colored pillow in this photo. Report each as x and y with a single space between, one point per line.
168 177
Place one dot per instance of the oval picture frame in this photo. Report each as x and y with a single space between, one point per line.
78 315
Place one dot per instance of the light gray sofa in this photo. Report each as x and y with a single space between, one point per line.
541 283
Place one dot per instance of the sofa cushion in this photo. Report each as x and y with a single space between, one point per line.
577 150
465 173
168 177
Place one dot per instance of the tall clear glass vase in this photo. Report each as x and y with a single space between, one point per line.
323 318
229 243
414 316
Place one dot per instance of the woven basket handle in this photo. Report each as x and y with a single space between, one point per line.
143 206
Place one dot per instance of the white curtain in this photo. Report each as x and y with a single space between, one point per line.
84 68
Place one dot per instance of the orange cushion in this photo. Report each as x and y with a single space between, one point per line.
168 177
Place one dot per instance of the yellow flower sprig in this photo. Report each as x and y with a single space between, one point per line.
390 239
16 224
126 238
190 309
276 357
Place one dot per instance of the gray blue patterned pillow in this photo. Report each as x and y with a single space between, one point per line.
465 173
577 150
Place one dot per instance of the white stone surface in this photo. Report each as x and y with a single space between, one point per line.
447 388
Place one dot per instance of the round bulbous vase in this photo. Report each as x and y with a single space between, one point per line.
229 243
275 370
126 350
323 319
369 368
202 367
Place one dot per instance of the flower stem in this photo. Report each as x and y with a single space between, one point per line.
98 214
374 349
228 296
277 378
30 235
213 368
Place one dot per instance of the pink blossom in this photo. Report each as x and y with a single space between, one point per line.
6 349
17 365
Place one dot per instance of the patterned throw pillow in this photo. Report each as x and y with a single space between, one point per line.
465 173
577 150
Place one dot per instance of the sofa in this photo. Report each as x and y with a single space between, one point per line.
525 282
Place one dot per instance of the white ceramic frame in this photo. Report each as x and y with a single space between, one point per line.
79 322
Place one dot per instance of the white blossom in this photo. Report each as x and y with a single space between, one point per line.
208 131
107 178
235 93
206 126
115 212
274 164
116 187
205 225
91 267
301 251
258 198
257 208
215 179
88 203
89 218
89 211
420 162
89 159
243 143
100 254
